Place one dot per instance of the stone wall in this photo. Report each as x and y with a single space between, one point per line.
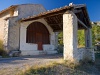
3 24
13 37
4 27
26 10
5 36
86 54
70 27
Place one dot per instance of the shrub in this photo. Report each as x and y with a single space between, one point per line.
60 49
2 51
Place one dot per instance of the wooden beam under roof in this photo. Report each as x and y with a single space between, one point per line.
54 18
77 11
82 23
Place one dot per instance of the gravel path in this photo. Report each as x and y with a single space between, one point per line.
10 66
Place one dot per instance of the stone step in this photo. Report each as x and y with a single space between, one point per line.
42 52
14 53
51 52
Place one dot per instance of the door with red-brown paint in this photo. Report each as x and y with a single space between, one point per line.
39 41
37 33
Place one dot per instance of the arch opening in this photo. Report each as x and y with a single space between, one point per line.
37 33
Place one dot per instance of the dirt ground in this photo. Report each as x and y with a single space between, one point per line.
11 66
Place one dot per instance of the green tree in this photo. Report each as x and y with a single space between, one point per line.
81 36
60 38
95 34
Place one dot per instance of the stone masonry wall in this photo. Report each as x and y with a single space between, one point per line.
13 37
26 10
4 27
3 24
5 36
70 36
86 54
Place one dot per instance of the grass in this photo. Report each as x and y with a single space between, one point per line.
57 68
61 68
48 69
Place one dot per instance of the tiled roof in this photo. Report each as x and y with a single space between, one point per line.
49 12
54 11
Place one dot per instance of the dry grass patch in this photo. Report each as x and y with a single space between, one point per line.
58 68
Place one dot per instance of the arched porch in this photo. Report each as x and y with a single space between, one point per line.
36 37
69 19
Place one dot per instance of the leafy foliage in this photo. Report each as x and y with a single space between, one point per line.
60 38
95 34
81 36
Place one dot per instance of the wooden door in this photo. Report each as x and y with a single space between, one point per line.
37 33
39 41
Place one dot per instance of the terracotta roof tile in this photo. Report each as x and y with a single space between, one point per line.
54 10
49 11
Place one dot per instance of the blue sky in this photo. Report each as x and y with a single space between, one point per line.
93 6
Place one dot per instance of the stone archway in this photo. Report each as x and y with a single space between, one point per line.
37 33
